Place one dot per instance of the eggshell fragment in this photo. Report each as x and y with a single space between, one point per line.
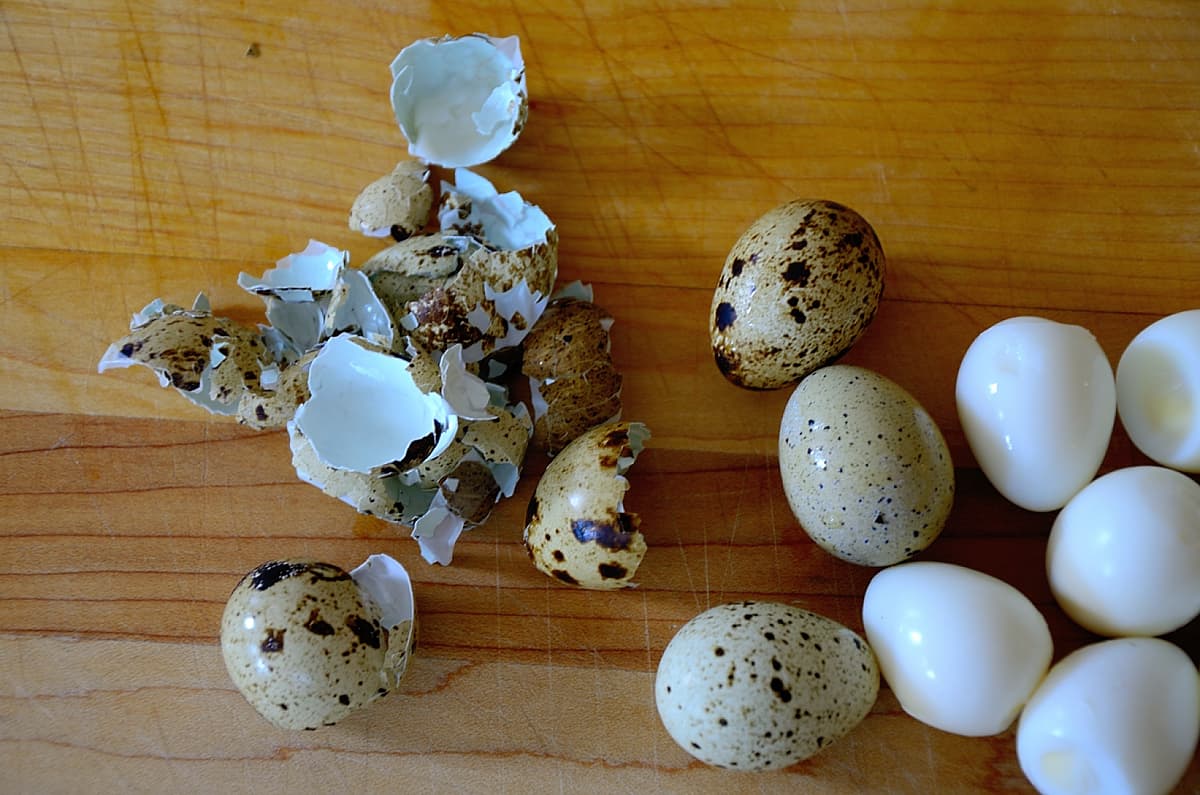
460 101
1037 402
1122 716
799 287
397 204
573 383
1158 391
307 643
865 469
209 360
365 410
576 528
1123 556
961 650
758 685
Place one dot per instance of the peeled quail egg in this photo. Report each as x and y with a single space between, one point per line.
1037 401
460 101
1122 716
865 468
962 650
754 685
307 643
799 287
1158 391
1124 554
577 529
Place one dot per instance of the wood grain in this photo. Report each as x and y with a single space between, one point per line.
1014 157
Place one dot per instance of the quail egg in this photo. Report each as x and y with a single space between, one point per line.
865 468
757 685
307 643
798 288
577 529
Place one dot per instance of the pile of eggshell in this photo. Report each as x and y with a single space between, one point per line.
869 477
392 380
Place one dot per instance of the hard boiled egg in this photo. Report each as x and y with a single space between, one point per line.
1037 401
1158 391
961 649
1121 716
1124 554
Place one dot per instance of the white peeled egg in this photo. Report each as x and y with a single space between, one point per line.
1158 390
1124 554
1121 716
961 649
1037 401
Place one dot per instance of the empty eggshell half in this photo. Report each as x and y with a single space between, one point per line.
1158 390
460 101
577 529
756 685
307 643
1122 716
961 650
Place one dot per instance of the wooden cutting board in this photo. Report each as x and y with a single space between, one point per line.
1015 158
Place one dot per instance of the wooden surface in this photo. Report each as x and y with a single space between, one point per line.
1014 157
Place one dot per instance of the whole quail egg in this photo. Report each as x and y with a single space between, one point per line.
577 529
798 289
865 469
757 685
307 643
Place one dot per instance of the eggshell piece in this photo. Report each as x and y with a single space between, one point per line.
460 101
758 685
576 528
1123 556
304 644
962 650
1037 402
864 467
1158 391
1122 716
798 289
397 204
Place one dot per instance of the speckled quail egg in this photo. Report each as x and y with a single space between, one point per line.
757 685
307 643
577 529
865 468
798 289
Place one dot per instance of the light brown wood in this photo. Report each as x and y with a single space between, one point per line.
1015 158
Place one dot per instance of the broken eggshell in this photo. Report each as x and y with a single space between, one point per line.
397 204
307 643
460 101
509 261
366 412
572 382
577 529
209 360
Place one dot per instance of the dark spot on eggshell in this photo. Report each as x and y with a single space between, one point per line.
613 571
605 534
532 511
344 700
798 273
736 266
564 576
318 626
725 316
558 555
366 631
273 642
268 574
